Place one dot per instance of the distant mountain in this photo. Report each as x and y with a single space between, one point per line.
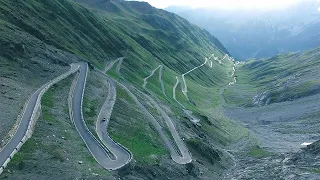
258 34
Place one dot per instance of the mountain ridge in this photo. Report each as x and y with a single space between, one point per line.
258 33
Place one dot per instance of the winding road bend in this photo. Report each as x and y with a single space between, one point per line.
233 73
184 84
161 82
98 151
145 80
24 131
207 60
175 156
120 155
185 87
180 155
183 151
119 66
28 119
110 155
174 91
185 154
109 66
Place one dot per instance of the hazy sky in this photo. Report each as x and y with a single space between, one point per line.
239 4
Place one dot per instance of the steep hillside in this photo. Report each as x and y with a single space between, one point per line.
258 33
282 78
39 39
96 37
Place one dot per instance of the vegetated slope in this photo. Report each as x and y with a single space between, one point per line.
147 34
257 33
282 78
41 37
26 63
35 31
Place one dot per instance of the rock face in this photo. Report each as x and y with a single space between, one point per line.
302 165
314 148
309 156
261 99
20 48
208 152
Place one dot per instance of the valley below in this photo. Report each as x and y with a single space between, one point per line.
287 129
283 131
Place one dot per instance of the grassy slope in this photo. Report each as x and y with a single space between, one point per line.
147 37
150 38
130 128
282 78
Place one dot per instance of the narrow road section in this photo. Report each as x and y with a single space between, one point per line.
119 66
185 157
120 156
233 74
185 87
161 82
98 151
31 113
184 84
28 119
210 63
174 91
175 156
145 80
229 58
180 156
109 66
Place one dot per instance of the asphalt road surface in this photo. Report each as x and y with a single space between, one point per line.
119 155
99 152
182 154
26 120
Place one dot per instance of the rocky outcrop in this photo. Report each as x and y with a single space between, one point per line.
206 150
